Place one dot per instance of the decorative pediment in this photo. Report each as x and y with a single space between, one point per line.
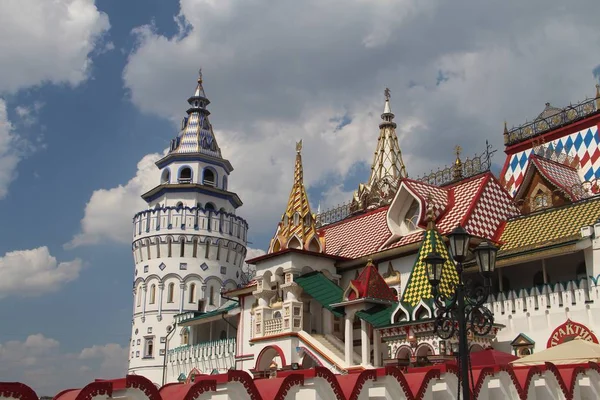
522 340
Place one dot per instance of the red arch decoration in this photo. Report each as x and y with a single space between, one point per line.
288 382
326 374
95 389
244 378
17 390
369 374
399 376
267 348
144 384
200 387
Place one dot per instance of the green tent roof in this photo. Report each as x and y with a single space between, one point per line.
322 290
227 306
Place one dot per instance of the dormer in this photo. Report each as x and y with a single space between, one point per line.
407 213
549 182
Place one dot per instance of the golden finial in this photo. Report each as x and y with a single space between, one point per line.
505 128
369 261
430 213
299 146
457 150
387 94
200 75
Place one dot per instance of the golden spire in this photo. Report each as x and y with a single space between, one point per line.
458 173
297 227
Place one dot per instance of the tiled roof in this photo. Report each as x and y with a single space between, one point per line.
548 227
418 287
357 236
562 176
379 315
316 285
493 206
426 192
371 285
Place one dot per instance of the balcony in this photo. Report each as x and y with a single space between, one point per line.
205 357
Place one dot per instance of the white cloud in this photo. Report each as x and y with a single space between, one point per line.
109 212
10 151
48 41
34 360
272 82
34 272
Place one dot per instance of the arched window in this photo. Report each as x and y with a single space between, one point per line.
148 247
296 219
210 208
185 336
207 249
169 242
411 219
158 247
221 219
208 177
157 210
139 296
195 247
149 348
218 250
181 246
185 175
211 296
165 176
170 292
224 182
192 293
179 206
307 219
152 294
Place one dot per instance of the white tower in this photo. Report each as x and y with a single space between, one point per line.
187 245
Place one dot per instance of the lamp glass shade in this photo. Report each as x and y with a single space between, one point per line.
434 262
485 254
459 243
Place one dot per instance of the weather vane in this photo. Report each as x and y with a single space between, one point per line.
299 146
386 93
199 74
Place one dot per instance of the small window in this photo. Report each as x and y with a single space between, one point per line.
145 269
192 298
181 247
195 247
170 293
152 294
211 296
149 348
411 219
224 183
185 336
208 177
540 201
169 242
182 266
139 296
185 175
307 219
296 219
165 176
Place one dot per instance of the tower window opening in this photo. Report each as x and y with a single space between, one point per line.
218 251
207 249
169 242
158 247
224 182
192 293
211 296
307 219
185 336
181 247
221 219
152 294
195 247
170 292
185 175
139 296
149 348
296 219
165 177
208 177
148 247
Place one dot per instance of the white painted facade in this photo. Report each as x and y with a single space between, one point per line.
188 246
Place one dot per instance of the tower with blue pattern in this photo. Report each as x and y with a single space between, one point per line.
188 244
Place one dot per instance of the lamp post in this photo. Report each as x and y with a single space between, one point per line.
465 304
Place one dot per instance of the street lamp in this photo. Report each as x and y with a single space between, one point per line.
466 302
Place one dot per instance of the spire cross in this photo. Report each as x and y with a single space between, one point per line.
387 94
458 149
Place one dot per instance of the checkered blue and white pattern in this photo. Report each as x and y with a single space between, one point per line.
584 144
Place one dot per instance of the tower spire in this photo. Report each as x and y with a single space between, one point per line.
196 135
387 167
297 227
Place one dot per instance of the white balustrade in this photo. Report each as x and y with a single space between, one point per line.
273 326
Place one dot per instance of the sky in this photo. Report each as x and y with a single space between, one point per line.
91 92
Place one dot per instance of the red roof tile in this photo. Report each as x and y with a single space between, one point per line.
370 284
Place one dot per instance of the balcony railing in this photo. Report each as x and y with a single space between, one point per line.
224 348
273 326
